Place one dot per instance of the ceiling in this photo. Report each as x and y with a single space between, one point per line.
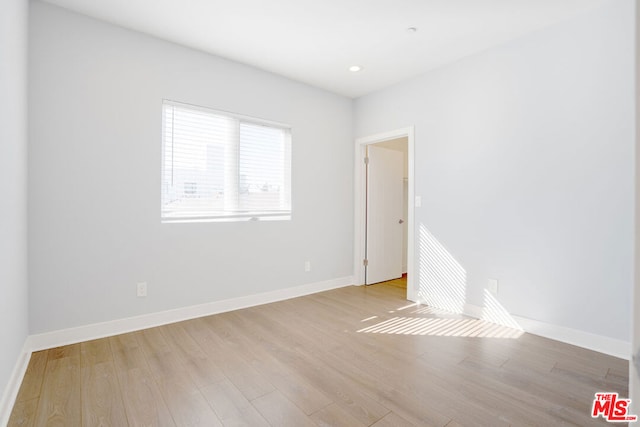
315 41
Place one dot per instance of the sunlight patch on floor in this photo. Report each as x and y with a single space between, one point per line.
439 327
414 304
425 309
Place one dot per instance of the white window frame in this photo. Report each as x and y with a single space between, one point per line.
249 215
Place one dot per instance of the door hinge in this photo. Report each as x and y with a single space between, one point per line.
365 262
366 160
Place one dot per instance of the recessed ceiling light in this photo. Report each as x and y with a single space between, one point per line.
412 30
355 68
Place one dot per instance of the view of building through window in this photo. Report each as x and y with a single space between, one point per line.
217 165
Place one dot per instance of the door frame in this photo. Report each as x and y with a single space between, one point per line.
360 204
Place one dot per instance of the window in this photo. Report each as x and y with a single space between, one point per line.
222 166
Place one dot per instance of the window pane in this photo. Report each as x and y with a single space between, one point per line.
218 166
263 154
194 159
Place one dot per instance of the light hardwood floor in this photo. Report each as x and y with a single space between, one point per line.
356 356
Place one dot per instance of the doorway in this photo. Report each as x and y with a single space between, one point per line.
400 260
385 217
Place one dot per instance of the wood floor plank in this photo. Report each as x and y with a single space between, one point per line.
200 367
152 341
95 352
231 407
279 411
24 413
143 402
167 365
64 351
187 405
342 391
618 376
334 416
32 383
250 382
234 330
180 393
427 413
381 388
127 354
536 392
420 409
59 403
395 420
101 396
124 341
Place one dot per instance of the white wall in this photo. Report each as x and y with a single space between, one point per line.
524 161
94 170
13 186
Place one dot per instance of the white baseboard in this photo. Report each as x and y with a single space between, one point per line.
602 344
13 386
114 327
599 343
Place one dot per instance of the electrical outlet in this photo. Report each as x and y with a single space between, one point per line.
141 289
492 285
307 266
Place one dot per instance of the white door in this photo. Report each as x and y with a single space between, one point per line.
384 215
